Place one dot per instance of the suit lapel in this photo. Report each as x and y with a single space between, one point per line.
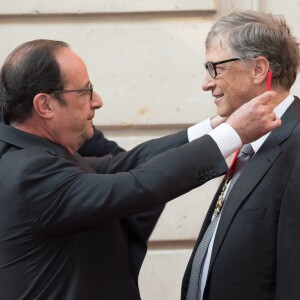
253 173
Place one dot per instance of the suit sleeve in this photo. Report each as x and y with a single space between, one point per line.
100 146
62 197
148 219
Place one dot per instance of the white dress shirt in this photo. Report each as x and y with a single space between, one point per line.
224 135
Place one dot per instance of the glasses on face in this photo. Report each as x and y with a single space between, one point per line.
211 66
89 90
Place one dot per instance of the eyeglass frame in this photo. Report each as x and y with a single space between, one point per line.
214 64
89 89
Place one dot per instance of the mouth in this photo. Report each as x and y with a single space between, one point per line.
91 118
90 122
218 98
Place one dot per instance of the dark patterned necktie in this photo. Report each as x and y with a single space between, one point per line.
193 290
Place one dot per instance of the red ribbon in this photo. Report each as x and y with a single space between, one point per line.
232 164
269 80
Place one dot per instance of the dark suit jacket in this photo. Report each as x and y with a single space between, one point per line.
63 229
100 146
257 247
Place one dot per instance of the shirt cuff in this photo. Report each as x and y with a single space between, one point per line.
198 130
226 138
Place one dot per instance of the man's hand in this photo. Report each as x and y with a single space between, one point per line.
255 118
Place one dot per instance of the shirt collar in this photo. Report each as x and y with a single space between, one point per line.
279 111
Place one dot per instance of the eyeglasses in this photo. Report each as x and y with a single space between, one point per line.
211 66
89 89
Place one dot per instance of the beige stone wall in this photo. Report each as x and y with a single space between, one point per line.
145 58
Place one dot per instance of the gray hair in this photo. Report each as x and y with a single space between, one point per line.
249 34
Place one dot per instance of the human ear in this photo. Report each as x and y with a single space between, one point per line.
261 69
42 105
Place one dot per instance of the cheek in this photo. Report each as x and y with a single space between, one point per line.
239 91
81 113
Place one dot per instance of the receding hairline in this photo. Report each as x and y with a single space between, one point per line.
19 53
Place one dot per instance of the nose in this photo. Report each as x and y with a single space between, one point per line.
96 102
208 82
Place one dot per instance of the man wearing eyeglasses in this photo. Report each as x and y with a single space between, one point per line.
249 247
66 225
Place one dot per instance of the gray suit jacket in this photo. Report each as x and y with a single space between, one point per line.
66 231
256 250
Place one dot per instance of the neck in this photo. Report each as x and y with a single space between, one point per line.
41 130
281 95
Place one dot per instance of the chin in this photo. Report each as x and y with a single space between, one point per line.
223 113
90 134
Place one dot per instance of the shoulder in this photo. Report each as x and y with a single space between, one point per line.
31 163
